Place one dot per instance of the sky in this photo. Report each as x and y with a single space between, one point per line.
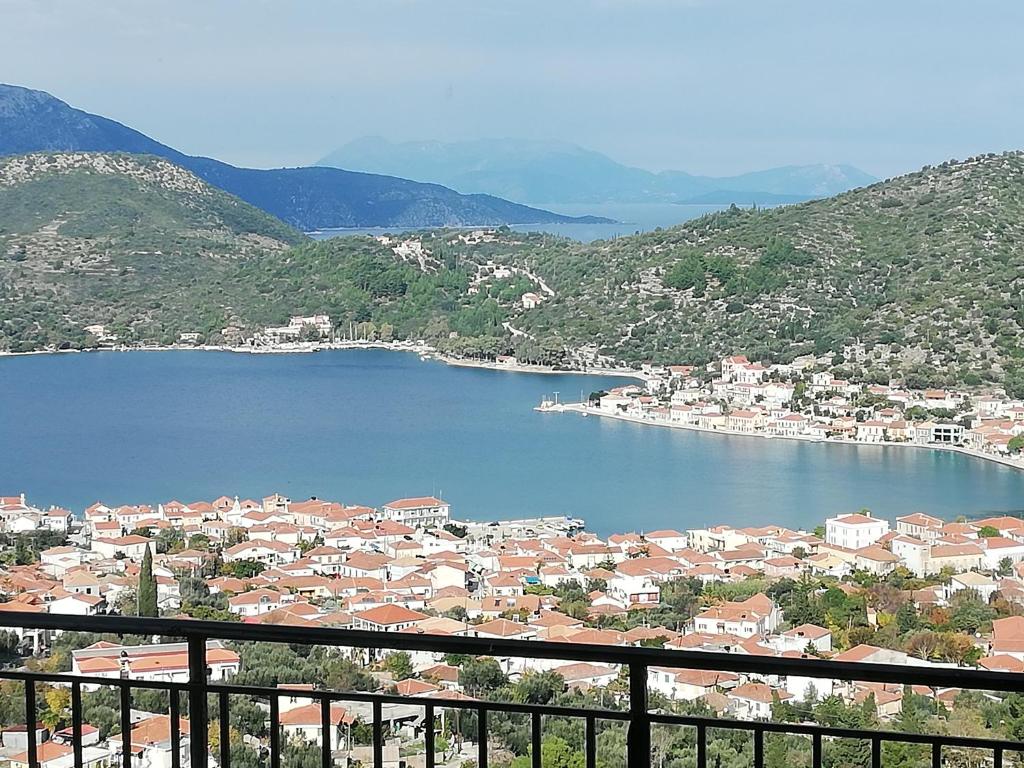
706 86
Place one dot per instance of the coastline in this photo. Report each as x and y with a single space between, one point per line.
583 410
425 351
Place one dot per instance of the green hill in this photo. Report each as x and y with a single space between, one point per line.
918 277
86 236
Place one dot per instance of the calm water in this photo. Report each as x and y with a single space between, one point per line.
630 218
369 426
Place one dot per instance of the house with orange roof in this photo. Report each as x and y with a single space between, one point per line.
888 701
505 584
854 531
1001 663
51 754
164 661
919 525
688 684
445 675
1000 548
582 676
785 566
754 617
268 552
798 638
753 701
257 602
668 539
418 512
876 560
493 606
152 738
131 547
412 687
959 557
387 618
305 722
1008 637
76 603
370 565
503 629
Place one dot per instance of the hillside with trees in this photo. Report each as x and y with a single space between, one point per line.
917 278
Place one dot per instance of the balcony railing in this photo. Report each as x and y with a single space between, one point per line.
637 717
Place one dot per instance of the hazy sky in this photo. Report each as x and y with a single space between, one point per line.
715 86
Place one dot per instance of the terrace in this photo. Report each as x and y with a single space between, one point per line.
208 700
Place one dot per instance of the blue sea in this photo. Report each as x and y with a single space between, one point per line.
628 219
364 427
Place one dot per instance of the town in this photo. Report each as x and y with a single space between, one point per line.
922 592
800 401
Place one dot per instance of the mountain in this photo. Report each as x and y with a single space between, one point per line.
918 278
545 172
306 198
85 236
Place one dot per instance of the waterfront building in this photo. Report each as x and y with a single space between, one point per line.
418 512
855 531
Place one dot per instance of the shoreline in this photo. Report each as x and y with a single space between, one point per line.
427 352
304 348
582 410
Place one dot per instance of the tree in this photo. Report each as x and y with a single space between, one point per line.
988 532
243 569
147 586
1005 567
399 665
170 540
555 753
58 707
9 642
23 555
957 648
539 687
906 618
481 675
969 613
12 702
923 644
457 612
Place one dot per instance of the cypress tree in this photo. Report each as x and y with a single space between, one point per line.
147 586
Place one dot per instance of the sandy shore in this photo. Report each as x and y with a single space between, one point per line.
586 411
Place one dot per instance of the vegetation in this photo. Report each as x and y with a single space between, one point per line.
147 597
914 278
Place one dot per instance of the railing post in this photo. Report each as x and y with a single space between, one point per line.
197 705
638 740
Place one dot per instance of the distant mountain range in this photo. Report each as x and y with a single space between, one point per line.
306 198
543 172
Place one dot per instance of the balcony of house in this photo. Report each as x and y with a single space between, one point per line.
635 712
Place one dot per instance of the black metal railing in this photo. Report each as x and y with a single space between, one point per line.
637 718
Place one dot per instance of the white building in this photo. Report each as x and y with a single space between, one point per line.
854 531
418 512
688 684
753 701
